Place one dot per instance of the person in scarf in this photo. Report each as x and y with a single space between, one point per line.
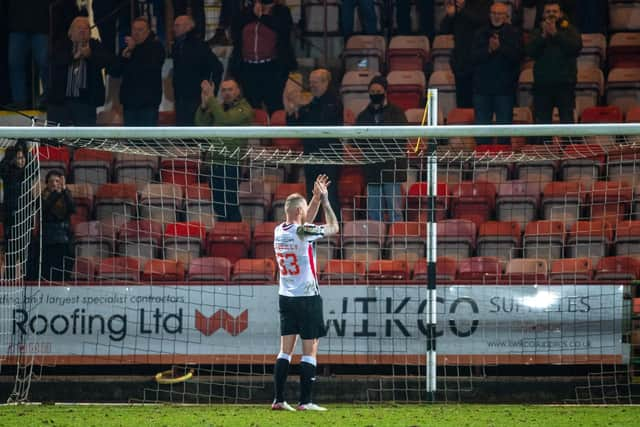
76 69
57 208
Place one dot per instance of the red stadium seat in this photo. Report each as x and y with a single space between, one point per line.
627 239
493 172
473 200
94 239
606 114
53 158
633 115
526 270
140 238
406 88
199 206
262 244
160 202
163 270
618 268
406 241
230 240
483 268
417 201
456 238
544 239
407 53
590 239
339 271
362 240
351 190
498 239
116 202
260 117
83 198
134 168
84 268
254 200
180 171
279 118
518 201
119 268
446 269
210 269
183 241
282 192
388 270
563 201
610 200
262 269
91 166
570 270
583 162
461 116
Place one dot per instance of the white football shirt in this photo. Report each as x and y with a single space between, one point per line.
296 259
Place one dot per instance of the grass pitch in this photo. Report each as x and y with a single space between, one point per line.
337 416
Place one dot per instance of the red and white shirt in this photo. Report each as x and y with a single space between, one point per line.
296 258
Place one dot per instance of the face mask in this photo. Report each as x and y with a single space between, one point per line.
376 98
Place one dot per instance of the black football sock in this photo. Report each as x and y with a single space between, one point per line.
280 372
307 378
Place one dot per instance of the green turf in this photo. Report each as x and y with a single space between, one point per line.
338 416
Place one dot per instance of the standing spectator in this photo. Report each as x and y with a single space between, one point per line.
233 111
140 67
555 47
325 109
496 63
57 208
77 88
229 12
367 13
193 62
383 179
425 13
28 33
463 19
568 6
195 10
14 172
262 53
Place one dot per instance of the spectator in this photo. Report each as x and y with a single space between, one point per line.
14 172
262 53
463 19
140 67
233 111
425 12
229 12
77 88
568 6
324 109
195 10
555 47
367 12
496 64
28 33
57 208
383 179
193 62
107 14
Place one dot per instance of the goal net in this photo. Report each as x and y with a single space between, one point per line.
171 272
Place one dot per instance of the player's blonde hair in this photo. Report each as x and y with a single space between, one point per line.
294 201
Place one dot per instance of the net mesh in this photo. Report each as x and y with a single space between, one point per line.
537 248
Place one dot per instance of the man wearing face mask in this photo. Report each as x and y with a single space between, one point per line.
555 47
383 179
496 64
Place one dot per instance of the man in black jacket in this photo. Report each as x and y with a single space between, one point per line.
463 18
77 88
384 193
496 63
325 109
193 63
262 53
140 67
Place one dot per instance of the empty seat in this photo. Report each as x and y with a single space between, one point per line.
473 200
94 239
461 116
338 271
624 15
351 190
254 200
445 82
159 202
91 166
140 238
363 240
119 268
260 117
180 171
53 159
594 51
364 52
606 114
485 268
571 270
262 269
183 241
388 269
541 171
355 90
282 192
563 201
633 115
544 239
279 118
623 88
116 202
406 241
163 270
134 168
583 162
627 240
623 50
485 169
262 243
406 88
526 270
210 269
84 268
525 88
417 201
610 200
441 52
446 269
326 249
518 201
456 238
617 268
229 240
83 199
624 165
589 239
408 53
199 205
321 17
589 88
500 239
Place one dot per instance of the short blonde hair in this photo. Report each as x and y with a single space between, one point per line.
295 200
